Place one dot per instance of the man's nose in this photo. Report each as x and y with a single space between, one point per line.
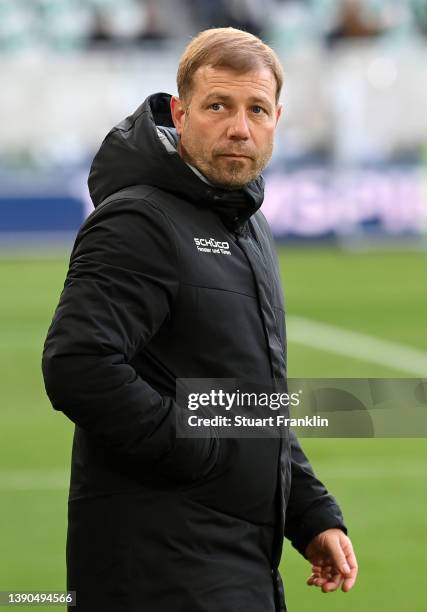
239 128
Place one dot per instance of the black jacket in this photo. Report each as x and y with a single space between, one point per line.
159 523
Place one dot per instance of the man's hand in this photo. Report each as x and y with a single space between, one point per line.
333 561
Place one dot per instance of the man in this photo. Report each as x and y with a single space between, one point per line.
159 522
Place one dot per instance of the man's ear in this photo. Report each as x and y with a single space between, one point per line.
178 113
279 110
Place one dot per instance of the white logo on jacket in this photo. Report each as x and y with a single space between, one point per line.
210 245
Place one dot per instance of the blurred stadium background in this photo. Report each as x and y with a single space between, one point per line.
347 202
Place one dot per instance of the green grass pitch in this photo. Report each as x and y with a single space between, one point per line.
380 483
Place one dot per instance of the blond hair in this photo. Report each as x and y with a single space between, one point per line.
226 48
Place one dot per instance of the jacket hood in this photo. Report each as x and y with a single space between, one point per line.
137 152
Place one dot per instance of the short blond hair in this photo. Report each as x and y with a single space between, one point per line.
226 48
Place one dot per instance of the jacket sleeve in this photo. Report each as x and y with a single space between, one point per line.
310 509
120 285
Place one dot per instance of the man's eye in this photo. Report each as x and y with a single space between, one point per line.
258 110
215 106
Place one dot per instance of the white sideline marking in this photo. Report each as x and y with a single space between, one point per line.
34 480
360 346
367 471
57 480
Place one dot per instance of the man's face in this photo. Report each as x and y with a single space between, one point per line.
227 127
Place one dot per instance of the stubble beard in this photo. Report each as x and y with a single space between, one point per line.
227 173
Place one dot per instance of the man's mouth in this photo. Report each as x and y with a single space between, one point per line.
235 155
